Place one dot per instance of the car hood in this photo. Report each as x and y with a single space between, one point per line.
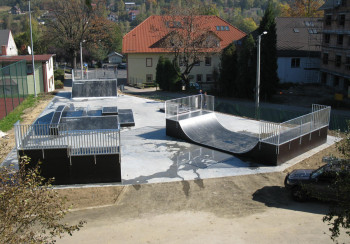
300 174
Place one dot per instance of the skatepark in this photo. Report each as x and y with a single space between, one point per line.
148 153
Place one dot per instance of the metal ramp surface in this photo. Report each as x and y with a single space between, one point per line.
206 130
94 88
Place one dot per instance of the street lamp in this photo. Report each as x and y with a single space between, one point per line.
32 50
257 88
81 57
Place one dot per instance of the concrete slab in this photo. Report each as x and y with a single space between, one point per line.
149 156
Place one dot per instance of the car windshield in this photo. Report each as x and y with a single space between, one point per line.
317 173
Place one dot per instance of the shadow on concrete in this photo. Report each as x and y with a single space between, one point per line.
279 197
67 95
155 135
67 82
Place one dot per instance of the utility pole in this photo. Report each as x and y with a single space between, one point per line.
257 88
31 42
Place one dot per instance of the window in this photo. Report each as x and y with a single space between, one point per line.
207 61
343 3
197 62
341 19
325 58
149 78
336 81
209 77
227 28
327 38
222 28
324 78
29 69
148 62
328 19
199 78
340 39
295 63
296 30
347 63
337 60
217 28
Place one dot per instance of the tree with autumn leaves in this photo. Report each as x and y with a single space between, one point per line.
76 21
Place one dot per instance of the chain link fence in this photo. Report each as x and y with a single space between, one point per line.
13 86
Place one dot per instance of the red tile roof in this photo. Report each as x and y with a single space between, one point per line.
28 58
151 30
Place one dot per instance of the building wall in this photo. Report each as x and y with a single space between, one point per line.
11 47
115 59
335 59
142 65
306 72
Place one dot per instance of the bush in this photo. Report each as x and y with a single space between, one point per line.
58 84
59 74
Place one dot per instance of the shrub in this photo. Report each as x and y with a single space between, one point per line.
59 74
58 84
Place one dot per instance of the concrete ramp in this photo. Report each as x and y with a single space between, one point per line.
94 88
206 130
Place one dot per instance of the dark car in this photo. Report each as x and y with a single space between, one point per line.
122 66
308 183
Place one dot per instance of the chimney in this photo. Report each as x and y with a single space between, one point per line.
3 50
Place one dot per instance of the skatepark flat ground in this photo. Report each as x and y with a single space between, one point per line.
148 155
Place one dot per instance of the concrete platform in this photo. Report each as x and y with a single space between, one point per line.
148 155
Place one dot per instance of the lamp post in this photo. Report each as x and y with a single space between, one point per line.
257 88
81 57
32 50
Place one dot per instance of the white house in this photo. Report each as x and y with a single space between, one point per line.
7 43
298 49
115 58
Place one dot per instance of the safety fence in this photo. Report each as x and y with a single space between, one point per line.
13 86
93 74
185 105
278 114
77 142
279 133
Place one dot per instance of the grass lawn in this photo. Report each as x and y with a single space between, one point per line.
6 123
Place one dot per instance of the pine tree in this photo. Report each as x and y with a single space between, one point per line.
247 71
228 69
268 72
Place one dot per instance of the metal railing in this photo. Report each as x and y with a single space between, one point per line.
93 74
279 133
78 143
185 105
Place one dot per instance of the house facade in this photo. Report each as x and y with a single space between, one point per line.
115 58
335 65
142 52
7 43
44 72
298 49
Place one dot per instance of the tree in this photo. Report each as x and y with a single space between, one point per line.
339 215
305 8
187 39
246 66
268 75
228 71
73 22
166 75
30 210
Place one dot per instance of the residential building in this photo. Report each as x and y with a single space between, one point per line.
7 43
115 58
142 51
16 10
335 65
298 49
133 14
44 75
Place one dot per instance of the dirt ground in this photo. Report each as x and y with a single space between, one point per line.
29 116
239 209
